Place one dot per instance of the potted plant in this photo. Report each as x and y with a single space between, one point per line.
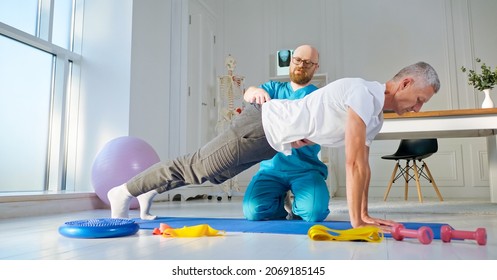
485 81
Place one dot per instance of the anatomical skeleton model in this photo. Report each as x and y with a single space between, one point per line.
230 95
230 105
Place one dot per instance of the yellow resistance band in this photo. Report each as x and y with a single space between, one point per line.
192 231
368 233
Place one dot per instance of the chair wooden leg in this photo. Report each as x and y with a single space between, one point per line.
391 181
433 182
416 175
406 176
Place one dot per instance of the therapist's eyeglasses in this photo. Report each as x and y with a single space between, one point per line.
305 63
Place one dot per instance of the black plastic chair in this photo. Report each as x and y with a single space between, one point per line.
413 151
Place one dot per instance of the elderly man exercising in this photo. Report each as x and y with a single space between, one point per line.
347 112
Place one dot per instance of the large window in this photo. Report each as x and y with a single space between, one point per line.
37 59
25 91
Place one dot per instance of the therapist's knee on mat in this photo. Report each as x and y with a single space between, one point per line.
250 210
255 211
314 212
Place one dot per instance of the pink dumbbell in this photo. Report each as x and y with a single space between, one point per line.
447 233
424 234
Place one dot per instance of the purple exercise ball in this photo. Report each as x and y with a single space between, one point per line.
118 161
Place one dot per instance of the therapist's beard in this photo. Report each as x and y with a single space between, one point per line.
301 78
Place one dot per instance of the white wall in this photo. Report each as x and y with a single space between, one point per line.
151 73
158 106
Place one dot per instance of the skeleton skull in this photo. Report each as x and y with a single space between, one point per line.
230 63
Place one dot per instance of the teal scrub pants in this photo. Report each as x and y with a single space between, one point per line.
265 195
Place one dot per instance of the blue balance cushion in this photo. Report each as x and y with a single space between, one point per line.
99 228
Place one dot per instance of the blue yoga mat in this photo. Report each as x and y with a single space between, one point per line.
273 226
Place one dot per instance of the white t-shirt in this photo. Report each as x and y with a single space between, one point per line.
321 116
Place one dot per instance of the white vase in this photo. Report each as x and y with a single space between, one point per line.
487 102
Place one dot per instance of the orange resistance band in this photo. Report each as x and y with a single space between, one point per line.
190 231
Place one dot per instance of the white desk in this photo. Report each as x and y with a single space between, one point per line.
448 124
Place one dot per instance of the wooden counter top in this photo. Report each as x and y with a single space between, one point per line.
442 113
